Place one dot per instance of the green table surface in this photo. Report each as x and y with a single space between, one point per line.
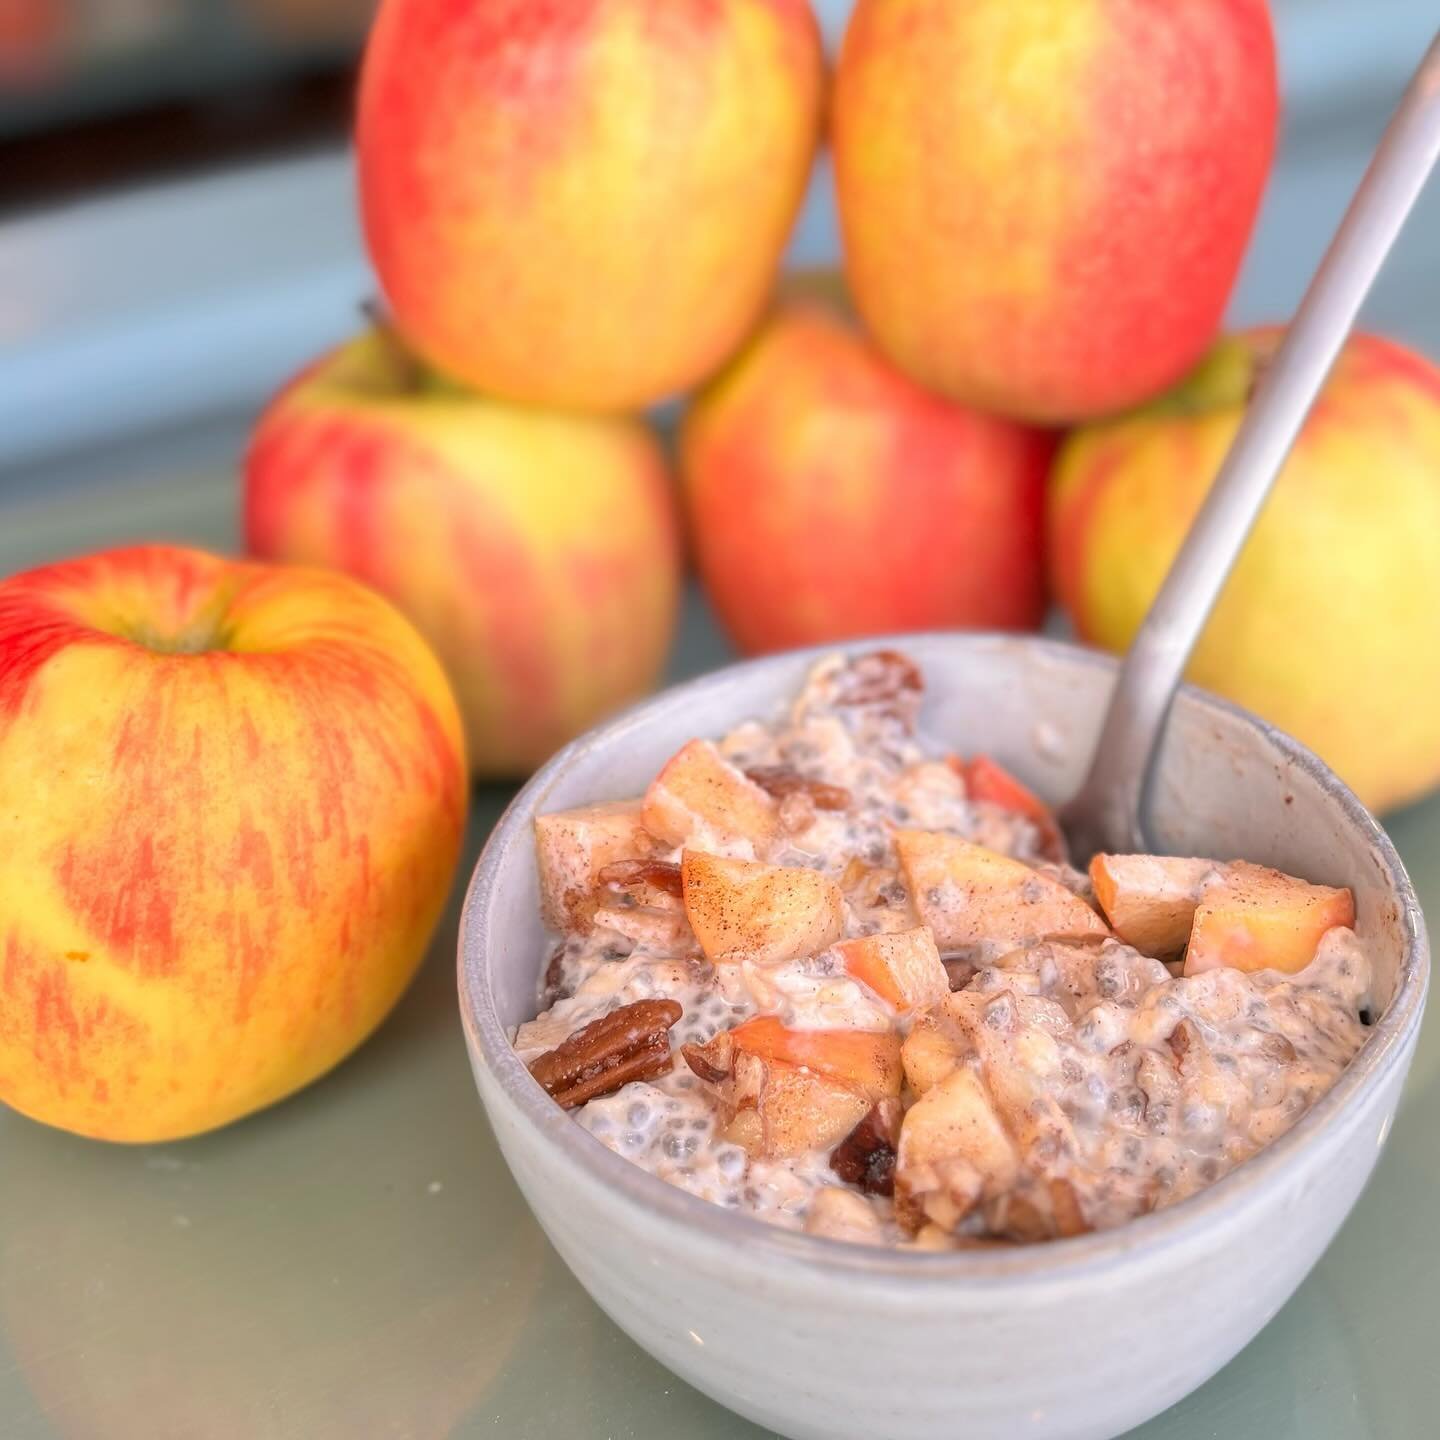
356 1262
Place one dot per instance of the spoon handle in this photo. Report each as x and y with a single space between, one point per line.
1107 812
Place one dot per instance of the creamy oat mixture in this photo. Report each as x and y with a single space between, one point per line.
830 976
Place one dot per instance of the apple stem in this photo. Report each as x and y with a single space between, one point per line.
408 369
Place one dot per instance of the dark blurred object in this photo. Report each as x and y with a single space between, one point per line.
312 20
106 92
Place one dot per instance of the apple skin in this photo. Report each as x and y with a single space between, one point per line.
537 552
243 801
830 497
583 203
1044 205
1329 626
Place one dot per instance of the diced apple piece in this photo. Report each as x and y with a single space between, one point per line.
840 1214
933 794
930 1052
954 1151
700 795
1244 916
663 931
774 1109
743 910
968 895
1261 919
866 1059
941 1037
903 967
1150 900
1038 1209
573 846
992 784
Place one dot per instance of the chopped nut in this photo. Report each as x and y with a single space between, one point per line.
662 930
866 1156
552 988
630 874
713 1061
783 780
1065 1203
1183 1039
884 679
796 813
1019 1215
631 1043
1278 1049
933 1237
960 972
1158 1082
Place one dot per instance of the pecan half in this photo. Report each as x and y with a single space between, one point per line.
866 1156
626 874
783 780
631 1043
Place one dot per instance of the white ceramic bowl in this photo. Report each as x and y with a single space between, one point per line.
1079 1338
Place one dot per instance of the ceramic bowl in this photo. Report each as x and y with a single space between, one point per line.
1087 1337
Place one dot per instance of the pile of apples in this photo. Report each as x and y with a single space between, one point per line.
236 845
577 210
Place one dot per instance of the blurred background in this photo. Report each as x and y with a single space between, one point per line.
178 231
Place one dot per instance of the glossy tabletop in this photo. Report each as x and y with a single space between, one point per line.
356 1262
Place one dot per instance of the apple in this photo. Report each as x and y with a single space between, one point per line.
969 895
954 1151
743 910
902 967
1329 626
775 1100
583 204
244 796
1044 206
572 847
699 796
34 38
1150 900
869 1060
1237 915
831 497
537 552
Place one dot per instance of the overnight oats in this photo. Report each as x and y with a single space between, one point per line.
827 975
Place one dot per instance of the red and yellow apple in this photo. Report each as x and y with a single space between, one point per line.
582 203
1330 625
238 796
830 497
537 552
1044 205
34 36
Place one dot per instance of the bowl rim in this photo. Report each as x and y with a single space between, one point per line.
1385 1047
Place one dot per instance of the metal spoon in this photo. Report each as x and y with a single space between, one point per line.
1107 813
